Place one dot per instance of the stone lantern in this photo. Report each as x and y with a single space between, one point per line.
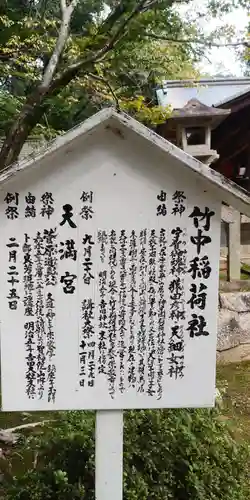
193 125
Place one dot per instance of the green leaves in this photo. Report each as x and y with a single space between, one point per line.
168 454
115 52
9 107
132 68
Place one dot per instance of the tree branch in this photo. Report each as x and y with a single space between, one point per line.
139 8
209 43
60 43
26 426
98 55
9 436
113 17
51 84
63 6
106 82
149 5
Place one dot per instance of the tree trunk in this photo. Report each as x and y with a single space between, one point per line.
30 115
35 103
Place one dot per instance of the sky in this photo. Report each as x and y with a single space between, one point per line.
223 59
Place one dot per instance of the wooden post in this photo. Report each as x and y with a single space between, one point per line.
234 246
109 455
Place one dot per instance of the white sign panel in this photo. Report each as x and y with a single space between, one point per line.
108 291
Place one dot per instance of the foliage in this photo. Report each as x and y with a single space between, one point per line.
168 454
246 53
9 106
27 39
65 59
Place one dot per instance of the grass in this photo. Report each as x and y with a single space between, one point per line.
243 276
223 276
234 381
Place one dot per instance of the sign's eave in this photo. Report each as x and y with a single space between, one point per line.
227 190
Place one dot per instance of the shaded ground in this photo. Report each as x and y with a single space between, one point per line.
234 380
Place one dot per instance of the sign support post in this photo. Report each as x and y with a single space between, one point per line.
109 455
